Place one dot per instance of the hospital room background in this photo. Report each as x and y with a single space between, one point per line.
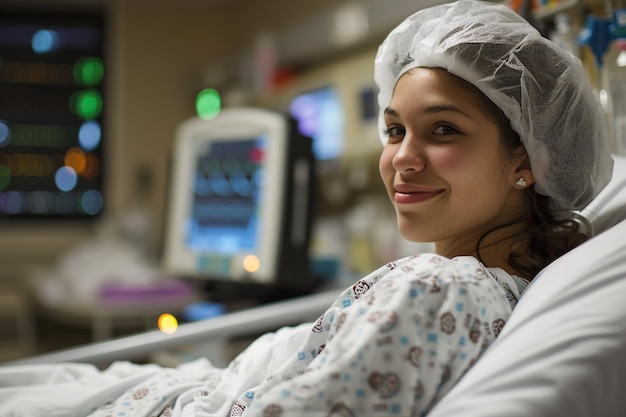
93 98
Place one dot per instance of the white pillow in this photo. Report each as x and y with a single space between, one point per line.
609 207
563 351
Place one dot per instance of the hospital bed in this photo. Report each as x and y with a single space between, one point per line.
562 353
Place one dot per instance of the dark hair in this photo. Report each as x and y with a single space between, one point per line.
548 235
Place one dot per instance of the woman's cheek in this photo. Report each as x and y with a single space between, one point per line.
449 159
385 163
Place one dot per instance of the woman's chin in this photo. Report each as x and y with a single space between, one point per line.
411 236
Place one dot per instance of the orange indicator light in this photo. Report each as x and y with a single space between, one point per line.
251 263
167 323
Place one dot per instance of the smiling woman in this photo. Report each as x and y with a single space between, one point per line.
444 151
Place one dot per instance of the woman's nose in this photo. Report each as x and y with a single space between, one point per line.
409 157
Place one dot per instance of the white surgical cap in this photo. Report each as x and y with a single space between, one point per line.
542 89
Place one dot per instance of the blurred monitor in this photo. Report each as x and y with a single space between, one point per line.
240 205
320 115
52 76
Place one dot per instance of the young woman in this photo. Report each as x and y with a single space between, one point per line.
489 132
492 135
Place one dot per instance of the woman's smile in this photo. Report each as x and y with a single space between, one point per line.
408 194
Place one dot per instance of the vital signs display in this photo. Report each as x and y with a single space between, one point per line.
52 74
241 201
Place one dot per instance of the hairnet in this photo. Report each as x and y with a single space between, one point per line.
542 89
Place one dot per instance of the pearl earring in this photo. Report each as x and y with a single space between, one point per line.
521 182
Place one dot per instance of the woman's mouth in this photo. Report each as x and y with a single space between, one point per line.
412 195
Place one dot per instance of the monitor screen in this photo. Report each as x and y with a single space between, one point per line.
320 116
52 76
224 216
240 205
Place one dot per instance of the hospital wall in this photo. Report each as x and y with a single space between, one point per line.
156 56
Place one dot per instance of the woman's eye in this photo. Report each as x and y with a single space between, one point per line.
394 132
445 130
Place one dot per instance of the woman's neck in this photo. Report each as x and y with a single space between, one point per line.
492 249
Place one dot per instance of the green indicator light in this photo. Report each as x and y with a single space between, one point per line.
88 71
208 103
86 103
5 177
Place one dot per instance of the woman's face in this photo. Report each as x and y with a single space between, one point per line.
442 165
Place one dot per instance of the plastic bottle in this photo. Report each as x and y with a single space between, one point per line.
616 73
617 91
611 6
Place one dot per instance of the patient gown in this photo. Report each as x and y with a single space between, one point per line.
394 343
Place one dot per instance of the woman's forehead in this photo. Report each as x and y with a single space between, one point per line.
425 85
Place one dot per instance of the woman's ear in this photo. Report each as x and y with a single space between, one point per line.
523 176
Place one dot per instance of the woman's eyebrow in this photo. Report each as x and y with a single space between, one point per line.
391 112
431 110
443 108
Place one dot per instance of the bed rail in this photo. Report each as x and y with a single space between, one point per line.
255 320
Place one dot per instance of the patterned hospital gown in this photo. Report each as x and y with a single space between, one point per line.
392 344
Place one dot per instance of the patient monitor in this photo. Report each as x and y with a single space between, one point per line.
240 201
